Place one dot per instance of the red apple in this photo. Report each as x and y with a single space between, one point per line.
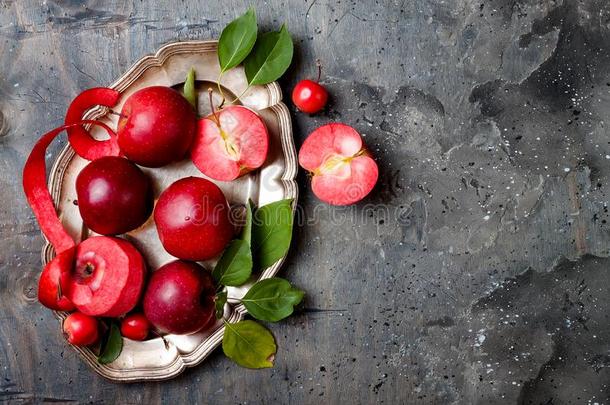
135 327
53 281
309 96
107 277
342 170
114 195
156 127
81 329
230 143
179 298
192 219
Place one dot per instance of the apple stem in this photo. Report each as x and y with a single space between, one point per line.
210 91
157 334
319 65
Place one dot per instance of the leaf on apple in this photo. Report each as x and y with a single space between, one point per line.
272 232
272 299
270 57
235 265
237 40
112 346
188 90
219 304
249 344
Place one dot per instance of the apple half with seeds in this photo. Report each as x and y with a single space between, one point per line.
342 169
230 143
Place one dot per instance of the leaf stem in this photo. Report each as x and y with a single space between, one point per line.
238 97
222 94
242 94
319 65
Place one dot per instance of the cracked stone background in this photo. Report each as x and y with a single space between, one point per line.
476 272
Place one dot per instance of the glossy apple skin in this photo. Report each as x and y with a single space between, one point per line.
192 219
135 327
53 276
309 96
157 126
81 329
179 298
114 195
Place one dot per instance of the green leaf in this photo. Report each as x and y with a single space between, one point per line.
272 299
189 88
246 233
271 232
249 344
111 349
237 40
270 57
235 264
219 303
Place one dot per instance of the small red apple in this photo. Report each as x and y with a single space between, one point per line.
309 96
230 143
342 169
114 195
55 275
192 219
135 327
81 329
107 278
156 127
179 298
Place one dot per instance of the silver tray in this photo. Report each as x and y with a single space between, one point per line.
155 359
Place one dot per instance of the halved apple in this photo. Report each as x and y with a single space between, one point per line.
230 143
342 169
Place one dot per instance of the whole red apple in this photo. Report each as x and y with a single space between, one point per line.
179 298
81 329
156 127
192 219
55 274
135 327
114 195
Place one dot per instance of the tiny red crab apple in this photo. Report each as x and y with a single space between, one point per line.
309 96
81 329
135 327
